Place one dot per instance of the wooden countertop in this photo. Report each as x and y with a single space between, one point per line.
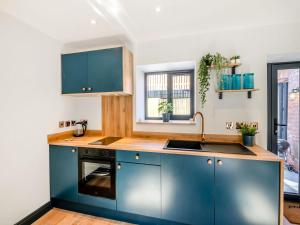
154 145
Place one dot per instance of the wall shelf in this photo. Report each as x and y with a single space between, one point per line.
249 92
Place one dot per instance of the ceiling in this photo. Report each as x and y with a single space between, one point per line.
70 20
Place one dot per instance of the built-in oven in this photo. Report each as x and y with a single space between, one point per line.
96 172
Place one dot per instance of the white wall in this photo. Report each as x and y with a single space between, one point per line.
30 108
254 45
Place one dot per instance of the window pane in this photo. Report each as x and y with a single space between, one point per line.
156 93
181 94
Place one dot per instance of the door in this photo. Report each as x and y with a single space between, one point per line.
63 173
105 70
187 189
283 120
74 73
246 192
139 189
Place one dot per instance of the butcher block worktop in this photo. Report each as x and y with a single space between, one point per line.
151 144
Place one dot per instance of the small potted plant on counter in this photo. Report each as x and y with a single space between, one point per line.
236 59
248 134
165 109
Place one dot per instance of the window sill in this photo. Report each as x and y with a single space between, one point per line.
171 122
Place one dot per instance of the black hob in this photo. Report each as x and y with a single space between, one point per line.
105 141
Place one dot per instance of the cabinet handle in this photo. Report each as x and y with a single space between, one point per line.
137 156
119 166
84 89
73 150
220 162
209 161
89 88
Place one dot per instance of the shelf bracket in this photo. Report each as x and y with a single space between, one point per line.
220 95
249 94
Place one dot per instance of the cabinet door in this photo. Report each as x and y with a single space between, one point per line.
187 189
247 192
63 173
74 73
139 189
105 70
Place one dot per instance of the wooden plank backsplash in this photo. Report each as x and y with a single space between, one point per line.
117 116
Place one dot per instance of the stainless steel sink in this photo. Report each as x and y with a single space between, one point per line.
217 147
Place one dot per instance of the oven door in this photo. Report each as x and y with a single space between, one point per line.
97 177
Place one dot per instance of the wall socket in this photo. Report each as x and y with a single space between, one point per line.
252 124
61 124
67 123
229 125
73 122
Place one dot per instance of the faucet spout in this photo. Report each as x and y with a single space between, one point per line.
202 124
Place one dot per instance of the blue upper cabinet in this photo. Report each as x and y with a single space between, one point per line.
106 71
63 173
247 192
187 189
74 73
139 189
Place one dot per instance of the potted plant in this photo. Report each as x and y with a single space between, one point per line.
248 134
236 59
165 108
219 64
204 76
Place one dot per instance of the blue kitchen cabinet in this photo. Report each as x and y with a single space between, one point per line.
187 189
63 173
105 70
101 71
139 189
74 73
246 192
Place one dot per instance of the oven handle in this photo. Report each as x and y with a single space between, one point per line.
100 174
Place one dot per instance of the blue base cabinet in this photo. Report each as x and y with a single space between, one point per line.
246 192
138 189
64 173
187 189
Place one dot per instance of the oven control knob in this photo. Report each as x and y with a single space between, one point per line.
220 162
119 166
137 156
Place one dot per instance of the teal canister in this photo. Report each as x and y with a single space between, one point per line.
248 80
225 82
236 81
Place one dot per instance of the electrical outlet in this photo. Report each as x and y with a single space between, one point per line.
229 125
61 124
73 122
239 124
86 121
67 123
254 124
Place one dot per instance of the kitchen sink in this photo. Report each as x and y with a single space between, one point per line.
183 145
217 147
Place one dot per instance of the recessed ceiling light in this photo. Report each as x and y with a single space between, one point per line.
157 9
93 22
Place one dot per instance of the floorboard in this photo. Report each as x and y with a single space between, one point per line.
63 217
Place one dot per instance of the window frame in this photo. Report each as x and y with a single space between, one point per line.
170 74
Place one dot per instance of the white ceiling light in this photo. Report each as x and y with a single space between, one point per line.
93 21
157 9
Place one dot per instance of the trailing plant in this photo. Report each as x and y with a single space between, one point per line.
219 63
165 107
204 76
248 130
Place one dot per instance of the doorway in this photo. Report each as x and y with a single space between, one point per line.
283 121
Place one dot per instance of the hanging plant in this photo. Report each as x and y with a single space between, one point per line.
204 76
219 63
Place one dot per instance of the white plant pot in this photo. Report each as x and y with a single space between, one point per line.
238 61
232 61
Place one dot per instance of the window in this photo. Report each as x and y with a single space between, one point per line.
176 87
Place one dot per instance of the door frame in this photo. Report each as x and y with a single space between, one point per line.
272 92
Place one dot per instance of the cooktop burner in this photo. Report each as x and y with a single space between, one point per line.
105 141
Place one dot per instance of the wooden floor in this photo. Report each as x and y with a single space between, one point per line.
64 217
